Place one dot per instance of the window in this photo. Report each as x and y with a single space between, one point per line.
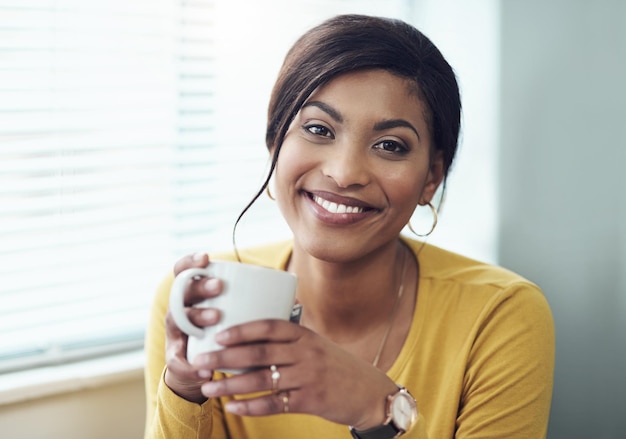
130 134
100 119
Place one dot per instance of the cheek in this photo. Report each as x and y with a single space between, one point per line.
289 169
403 191
404 194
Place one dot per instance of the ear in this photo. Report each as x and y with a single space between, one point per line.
433 179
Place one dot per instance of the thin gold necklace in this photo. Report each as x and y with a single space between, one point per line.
393 311
392 316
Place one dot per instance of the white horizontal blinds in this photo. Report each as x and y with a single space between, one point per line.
220 173
195 210
128 138
94 112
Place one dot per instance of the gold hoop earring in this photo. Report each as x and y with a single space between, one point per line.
435 219
269 194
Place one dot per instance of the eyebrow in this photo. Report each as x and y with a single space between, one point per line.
378 126
395 123
326 109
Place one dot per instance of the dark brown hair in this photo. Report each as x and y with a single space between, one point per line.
348 43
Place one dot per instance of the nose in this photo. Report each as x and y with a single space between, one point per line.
347 166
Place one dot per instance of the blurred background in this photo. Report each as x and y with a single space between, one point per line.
132 132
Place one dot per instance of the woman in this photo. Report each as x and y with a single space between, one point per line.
396 337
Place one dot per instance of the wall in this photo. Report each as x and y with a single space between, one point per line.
115 410
561 213
562 206
469 215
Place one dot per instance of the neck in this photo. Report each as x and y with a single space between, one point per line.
344 301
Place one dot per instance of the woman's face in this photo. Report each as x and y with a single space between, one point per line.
354 164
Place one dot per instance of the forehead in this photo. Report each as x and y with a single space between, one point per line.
375 93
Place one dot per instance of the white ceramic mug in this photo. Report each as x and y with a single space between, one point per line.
250 293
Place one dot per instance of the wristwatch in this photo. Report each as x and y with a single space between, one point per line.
401 414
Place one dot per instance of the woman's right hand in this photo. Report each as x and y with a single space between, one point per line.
180 376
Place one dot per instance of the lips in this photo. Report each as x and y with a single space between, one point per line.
337 205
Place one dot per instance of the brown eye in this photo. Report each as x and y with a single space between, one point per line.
318 130
391 146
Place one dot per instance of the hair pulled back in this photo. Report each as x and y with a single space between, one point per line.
357 42
347 43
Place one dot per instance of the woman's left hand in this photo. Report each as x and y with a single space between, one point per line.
317 376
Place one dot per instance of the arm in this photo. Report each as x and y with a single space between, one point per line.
507 386
167 413
154 346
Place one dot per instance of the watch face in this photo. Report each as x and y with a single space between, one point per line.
403 410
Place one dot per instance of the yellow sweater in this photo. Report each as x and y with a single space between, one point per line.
478 359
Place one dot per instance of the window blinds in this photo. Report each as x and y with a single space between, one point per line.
125 143
104 131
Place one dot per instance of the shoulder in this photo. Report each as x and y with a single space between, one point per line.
441 264
464 300
450 277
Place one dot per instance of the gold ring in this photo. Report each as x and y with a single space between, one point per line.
275 375
285 397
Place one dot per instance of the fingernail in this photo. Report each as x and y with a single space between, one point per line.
209 389
234 407
201 360
211 285
209 314
222 336
198 256
205 374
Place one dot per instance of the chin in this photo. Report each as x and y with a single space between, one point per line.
322 249
336 251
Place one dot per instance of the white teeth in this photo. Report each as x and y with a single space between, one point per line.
336 208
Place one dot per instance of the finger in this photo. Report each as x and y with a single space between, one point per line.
172 331
247 356
260 380
203 317
260 331
178 365
181 377
176 355
272 404
191 261
201 289
175 351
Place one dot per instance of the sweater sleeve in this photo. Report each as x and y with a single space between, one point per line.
154 346
168 415
509 372
175 417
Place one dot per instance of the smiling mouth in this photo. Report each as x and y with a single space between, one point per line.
336 207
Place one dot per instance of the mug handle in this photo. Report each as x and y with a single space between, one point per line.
177 300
